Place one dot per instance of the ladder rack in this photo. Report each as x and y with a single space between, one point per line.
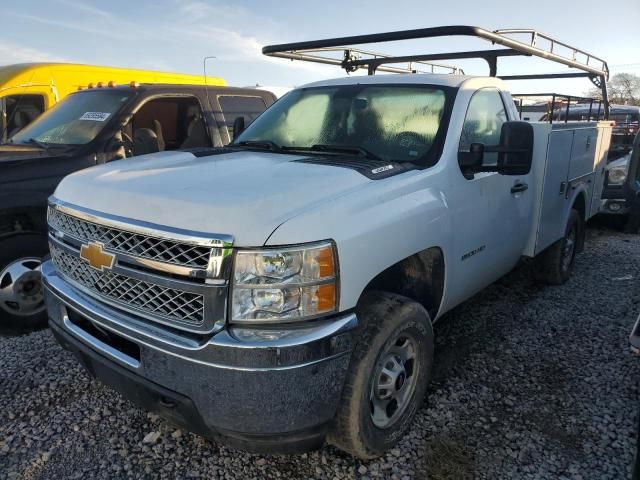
352 59
349 54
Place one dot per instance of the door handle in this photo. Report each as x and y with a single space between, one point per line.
519 187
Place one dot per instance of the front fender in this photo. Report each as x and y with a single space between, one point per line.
374 229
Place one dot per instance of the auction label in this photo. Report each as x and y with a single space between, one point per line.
95 116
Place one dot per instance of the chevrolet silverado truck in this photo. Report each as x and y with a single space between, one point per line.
281 292
91 127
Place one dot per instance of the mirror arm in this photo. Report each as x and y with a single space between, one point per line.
502 149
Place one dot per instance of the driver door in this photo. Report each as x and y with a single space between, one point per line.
490 211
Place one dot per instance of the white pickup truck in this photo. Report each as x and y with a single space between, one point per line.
281 291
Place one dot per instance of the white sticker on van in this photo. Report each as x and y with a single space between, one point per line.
95 116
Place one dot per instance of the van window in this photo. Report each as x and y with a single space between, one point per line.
168 123
21 110
234 106
483 122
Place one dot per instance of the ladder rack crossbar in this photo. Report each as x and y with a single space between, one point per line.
354 57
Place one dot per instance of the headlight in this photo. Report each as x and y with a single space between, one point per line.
284 284
617 175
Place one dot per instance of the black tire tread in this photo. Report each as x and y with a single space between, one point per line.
373 309
548 264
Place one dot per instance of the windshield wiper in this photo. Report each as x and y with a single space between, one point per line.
38 143
263 144
47 146
349 149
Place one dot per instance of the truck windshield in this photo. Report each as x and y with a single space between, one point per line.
76 120
389 122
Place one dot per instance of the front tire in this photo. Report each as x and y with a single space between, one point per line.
555 264
388 375
21 293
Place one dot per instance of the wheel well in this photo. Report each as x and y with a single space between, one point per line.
579 204
22 220
419 277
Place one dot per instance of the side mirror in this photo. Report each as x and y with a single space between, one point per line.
238 126
515 152
471 161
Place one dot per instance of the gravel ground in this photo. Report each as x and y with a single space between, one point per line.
530 382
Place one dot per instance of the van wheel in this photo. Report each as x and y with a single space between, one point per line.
555 264
388 375
21 294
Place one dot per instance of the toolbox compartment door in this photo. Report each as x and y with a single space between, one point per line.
554 190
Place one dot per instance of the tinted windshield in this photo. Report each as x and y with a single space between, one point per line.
76 120
395 123
624 117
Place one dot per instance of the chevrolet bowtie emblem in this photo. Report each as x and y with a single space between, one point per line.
95 256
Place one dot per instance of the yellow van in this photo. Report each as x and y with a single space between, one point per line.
28 89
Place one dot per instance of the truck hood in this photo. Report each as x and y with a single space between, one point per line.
12 153
245 194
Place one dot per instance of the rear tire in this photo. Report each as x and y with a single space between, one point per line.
555 264
21 295
388 375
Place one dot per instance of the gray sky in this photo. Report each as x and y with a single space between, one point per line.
175 35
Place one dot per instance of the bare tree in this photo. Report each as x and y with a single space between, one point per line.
624 89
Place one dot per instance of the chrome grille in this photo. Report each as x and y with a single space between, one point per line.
168 303
121 241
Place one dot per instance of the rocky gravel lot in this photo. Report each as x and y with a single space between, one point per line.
530 382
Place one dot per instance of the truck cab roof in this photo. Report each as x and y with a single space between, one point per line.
445 80
174 88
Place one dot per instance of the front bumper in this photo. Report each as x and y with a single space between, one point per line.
614 206
260 389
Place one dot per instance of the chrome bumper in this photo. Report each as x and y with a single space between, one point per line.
241 381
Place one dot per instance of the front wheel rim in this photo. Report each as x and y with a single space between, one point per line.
21 291
394 381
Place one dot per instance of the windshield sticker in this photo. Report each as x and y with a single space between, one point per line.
382 169
95 116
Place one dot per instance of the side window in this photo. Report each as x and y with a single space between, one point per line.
483 122
168 123
21 110
234 106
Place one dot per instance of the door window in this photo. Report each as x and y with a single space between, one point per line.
483 122
20 111
234 106
168 123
